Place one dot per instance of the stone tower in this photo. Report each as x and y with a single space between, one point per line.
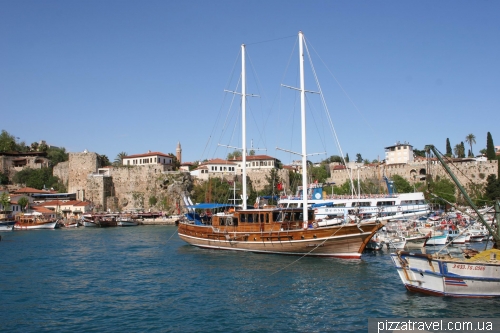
178 152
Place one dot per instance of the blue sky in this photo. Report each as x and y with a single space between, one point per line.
132 76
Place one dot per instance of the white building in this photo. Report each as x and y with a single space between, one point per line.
400 153
148 159
234 167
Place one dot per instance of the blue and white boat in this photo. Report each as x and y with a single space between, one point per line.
466 275
7 225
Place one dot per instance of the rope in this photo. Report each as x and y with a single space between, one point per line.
306 254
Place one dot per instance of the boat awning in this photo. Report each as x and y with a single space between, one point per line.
209 206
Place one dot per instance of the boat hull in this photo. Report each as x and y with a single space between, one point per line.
128 223
446 277
31 226
7 225
347 242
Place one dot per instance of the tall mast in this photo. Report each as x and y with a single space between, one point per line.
303 130
243 128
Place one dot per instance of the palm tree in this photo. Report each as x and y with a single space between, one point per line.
470 139
119 158
458 150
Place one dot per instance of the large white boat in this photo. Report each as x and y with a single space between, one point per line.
474 275
334 209
287 230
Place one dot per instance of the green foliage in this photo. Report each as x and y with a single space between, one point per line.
449 152
347 158
359 159
57 155
490 147
138 198
23 201
9 142
39 178
402 185
294 180
333 159
492 190
234 154
417 152
319 173
443 188
103 160
152 201
4 179
5 201
213 190
119 158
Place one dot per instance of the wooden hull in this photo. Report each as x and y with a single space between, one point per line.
40 225
347 241
446 277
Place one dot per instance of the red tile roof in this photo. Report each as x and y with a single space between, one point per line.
148 155
32 190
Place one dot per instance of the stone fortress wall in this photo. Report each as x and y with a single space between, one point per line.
466 171
131 187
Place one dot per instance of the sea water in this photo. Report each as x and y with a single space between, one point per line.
145 279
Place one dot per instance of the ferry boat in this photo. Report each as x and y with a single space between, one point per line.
335 209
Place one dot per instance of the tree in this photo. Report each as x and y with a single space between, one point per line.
471 139
39 179
43 147
235 154
104 160
252 152
347 158
318 174
23 202
402 185
490 148
34 146
9 143
443 188
449 152
459 152
5 201
417 152
4 179
359 159
492 190
119 158
57 155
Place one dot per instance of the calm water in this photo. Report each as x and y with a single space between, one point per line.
145 279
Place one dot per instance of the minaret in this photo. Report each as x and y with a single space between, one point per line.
178 152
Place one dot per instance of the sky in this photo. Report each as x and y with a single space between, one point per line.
132 76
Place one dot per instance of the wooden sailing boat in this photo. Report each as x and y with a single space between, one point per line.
289 231
474 275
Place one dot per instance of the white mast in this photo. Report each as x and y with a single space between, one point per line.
243 128
303 130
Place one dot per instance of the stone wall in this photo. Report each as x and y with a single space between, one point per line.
61 170
466 172
80 166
